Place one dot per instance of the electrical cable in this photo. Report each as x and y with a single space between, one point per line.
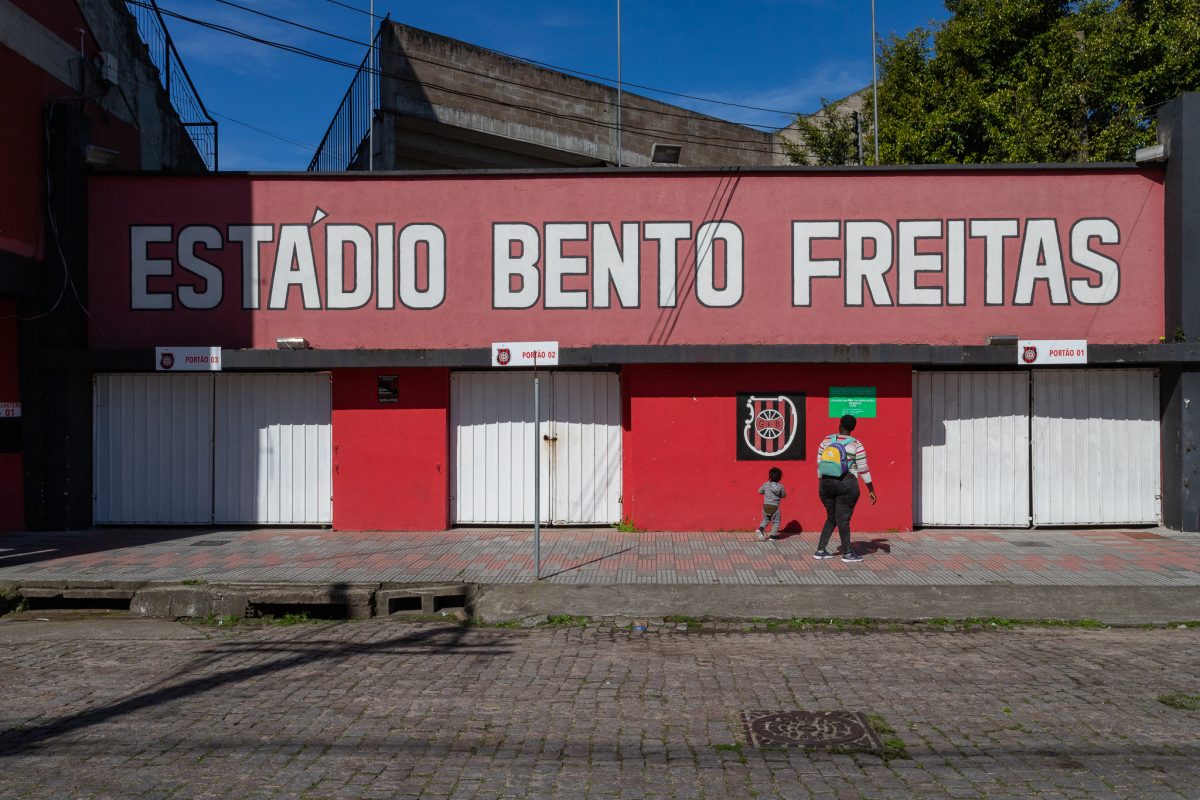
265 132
699 139
602 78
501 79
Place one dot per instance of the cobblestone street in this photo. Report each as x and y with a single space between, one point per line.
143 709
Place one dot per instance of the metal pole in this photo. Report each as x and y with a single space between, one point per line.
371 78
620 156
874 84
537 478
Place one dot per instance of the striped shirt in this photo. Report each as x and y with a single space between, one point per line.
854 450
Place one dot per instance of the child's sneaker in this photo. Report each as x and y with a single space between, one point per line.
822 554
773 537
851 557
758 534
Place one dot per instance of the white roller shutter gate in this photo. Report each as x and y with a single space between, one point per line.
493 455
274 443
152 449
971 448
225 448
1096 446
585 448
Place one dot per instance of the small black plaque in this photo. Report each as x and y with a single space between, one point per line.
389 389
812 729
770 426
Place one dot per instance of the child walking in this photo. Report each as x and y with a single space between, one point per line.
772 492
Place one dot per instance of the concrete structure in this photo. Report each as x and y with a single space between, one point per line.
446 104
79 87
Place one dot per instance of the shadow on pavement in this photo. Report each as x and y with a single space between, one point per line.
31 547
16 741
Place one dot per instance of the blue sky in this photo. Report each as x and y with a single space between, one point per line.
779 54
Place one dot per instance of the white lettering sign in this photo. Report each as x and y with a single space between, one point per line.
524 354
1035 352
10 410
187 359
911 263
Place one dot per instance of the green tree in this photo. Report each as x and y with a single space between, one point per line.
827 139
1013 81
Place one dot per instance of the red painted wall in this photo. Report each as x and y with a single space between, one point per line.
391 461
27 91
680 467
1043 207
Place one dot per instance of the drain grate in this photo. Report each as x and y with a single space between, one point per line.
211 542
1032 544
812 729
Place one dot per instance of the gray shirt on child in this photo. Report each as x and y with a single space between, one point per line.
772 492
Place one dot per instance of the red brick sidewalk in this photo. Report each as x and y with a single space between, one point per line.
602 556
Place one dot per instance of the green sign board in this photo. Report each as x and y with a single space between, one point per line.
856 400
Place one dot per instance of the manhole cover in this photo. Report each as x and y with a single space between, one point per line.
1032 544
843 729
211 542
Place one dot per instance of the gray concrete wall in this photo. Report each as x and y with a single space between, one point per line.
452 104
847 105
1179 131
139 93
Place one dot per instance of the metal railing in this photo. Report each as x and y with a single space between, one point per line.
199 124
342 144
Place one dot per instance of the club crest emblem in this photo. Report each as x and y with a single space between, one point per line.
503 356
1029 355
770 425
167 360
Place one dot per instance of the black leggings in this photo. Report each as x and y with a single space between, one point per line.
839 496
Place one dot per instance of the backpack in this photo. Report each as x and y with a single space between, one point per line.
834 461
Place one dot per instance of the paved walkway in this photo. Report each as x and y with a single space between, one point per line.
375 710
602 556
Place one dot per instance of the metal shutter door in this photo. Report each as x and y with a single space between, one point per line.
971 448
1096 447
586 448
152 455
492 456
273 449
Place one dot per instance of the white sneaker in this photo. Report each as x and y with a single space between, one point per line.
758 534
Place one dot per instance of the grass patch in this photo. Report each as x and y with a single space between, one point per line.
893 745
194 582
1180 700
300 618
564 621
681 619
626 526
735 748
10 601
836 623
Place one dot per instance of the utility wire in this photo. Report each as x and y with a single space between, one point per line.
265 132
699 139
604 78
510 81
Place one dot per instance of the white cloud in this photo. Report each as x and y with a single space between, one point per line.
831 79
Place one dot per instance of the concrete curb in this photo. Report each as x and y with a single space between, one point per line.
494 603
1119 605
